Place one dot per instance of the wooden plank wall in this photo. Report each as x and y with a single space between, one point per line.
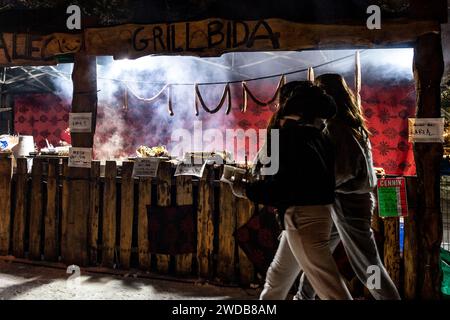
218 256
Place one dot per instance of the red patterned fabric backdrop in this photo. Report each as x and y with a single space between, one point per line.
121 130
44 116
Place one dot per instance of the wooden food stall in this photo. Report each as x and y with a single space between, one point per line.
76 215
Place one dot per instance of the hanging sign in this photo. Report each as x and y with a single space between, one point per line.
80 122
80 157
146 167
426 129
392 197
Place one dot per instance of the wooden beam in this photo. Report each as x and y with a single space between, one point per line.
195 38
84 77
428 70
126 213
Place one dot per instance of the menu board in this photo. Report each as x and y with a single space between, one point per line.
190 169
80 122
80 157
392 200
146 167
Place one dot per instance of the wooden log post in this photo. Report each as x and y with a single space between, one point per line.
245 209
84 78
64 209
109 215
428 70
94 213
183 262
50 226
20 209
163 200
227 226
410 254
6 171
126 213
145 199
36 210
392 258
205 225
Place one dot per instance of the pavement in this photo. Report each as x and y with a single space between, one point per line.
22 281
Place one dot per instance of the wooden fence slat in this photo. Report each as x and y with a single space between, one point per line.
126 213
6 171
143 243
163 200
227 227
20 209
205 225
410 254
36 208
94 212
392 248
245 209
109 214
50 247
183 262
65 207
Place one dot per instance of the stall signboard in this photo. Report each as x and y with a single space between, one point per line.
80 122
80 157
426 130
392 200
146 167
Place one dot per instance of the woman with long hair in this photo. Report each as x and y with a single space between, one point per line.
303 189
355 183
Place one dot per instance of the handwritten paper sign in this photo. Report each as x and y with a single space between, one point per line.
146 167
190 169
80 157
80 122
426 129
392 197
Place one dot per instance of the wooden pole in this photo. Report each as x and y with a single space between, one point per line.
410 255
20 209
428 70
126 214
184 197
84 78
6 171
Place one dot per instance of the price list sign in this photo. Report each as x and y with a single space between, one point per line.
146 167
80 122
392 200
80 157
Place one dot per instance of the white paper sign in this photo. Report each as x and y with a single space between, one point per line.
80 122
190 169
145 167
426 129
80 157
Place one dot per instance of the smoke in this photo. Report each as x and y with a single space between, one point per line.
124 121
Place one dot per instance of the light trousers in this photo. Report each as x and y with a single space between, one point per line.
352 218
304 245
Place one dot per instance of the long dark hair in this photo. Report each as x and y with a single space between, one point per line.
348 110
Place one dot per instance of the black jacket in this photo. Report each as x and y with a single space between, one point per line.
306 170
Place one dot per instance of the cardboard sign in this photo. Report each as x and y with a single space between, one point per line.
146 167
426 129
80 157
392 197
80 122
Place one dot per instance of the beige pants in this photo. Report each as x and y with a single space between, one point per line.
305 245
